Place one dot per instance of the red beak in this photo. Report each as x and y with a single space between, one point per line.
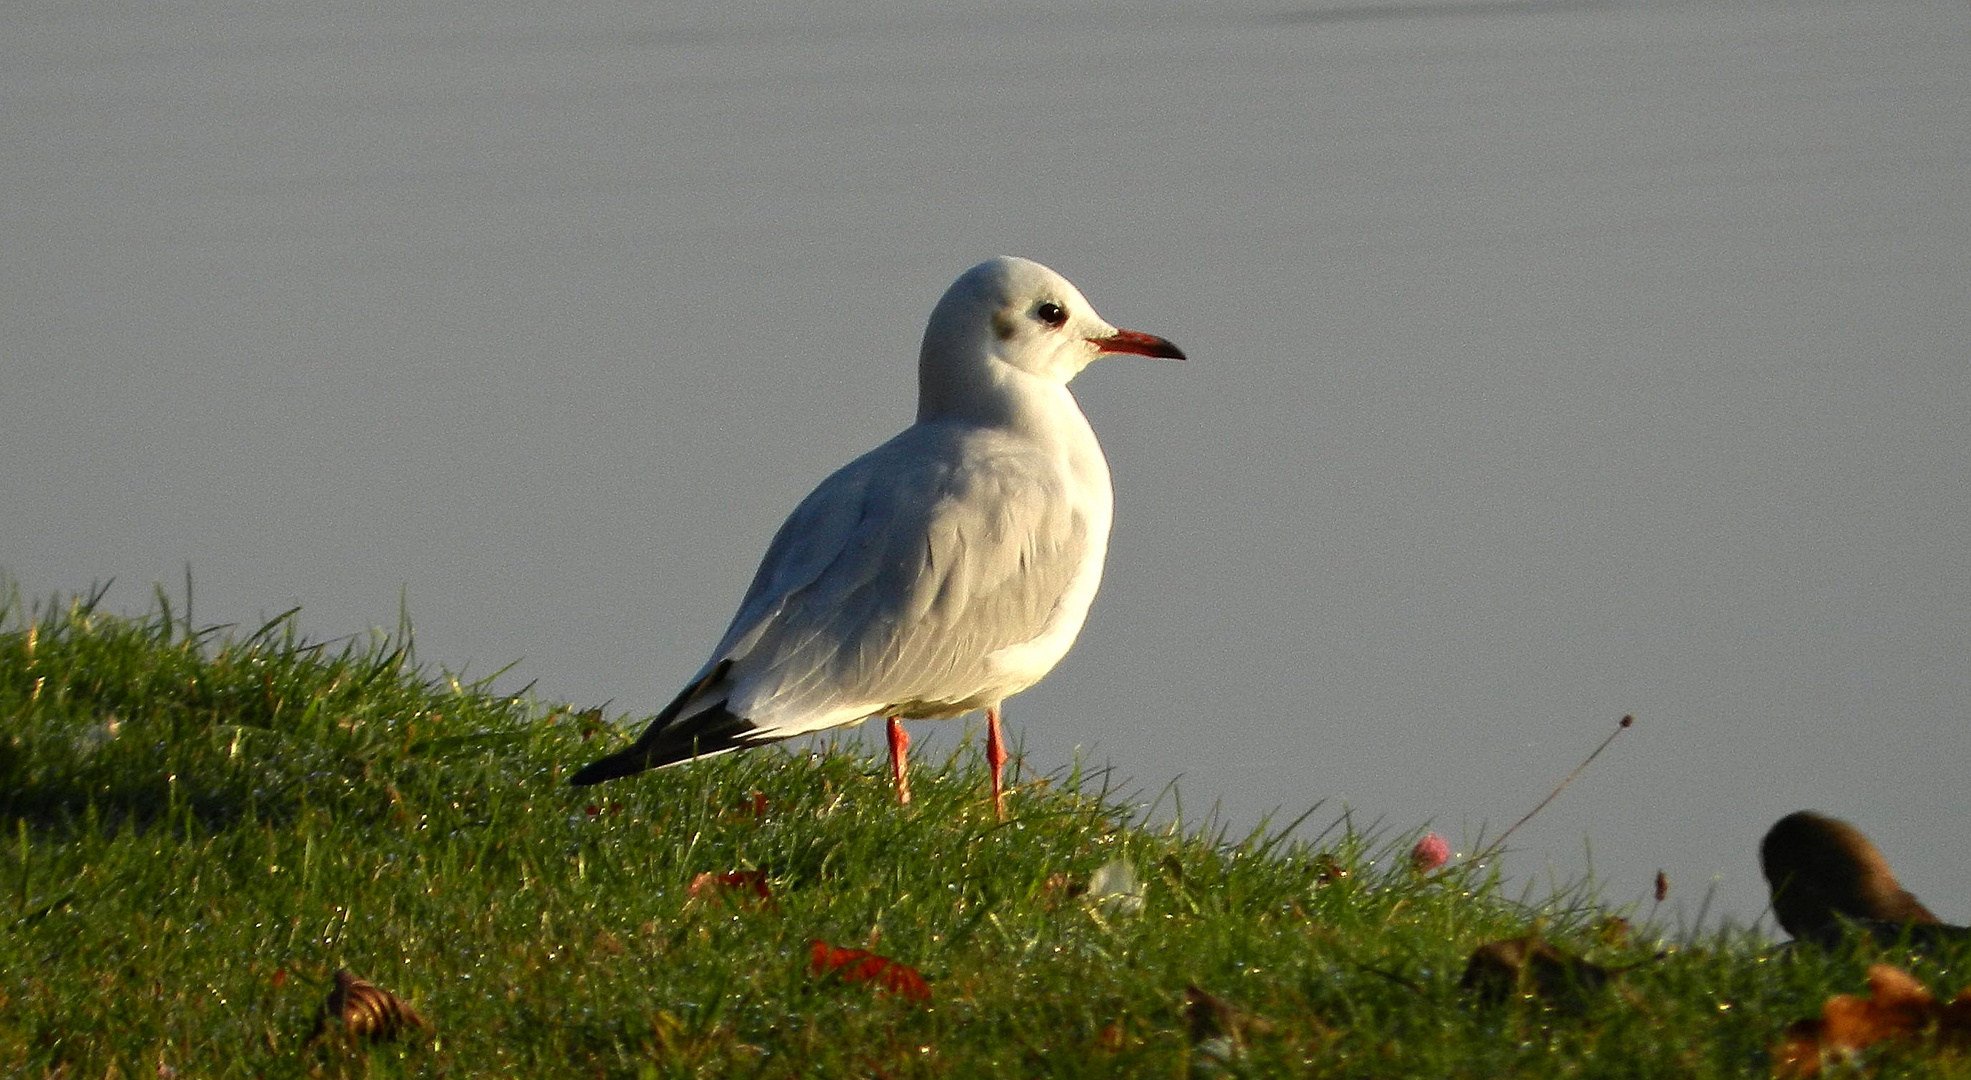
1129 341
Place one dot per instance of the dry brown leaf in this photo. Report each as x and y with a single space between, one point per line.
1060 886
1172 867
365 1011
1219 1032
1327 869
1529 967
607 943
1954 1020
1797 1054
744 885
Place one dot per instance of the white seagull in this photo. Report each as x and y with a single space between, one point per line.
944 571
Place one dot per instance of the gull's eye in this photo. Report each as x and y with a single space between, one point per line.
1050 313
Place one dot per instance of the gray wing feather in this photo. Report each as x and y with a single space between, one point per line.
896 593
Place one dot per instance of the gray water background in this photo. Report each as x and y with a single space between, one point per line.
1551 361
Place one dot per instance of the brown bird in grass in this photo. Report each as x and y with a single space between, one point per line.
1824 874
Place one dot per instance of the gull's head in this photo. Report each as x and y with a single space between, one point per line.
1018 313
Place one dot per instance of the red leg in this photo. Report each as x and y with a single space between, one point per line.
900 759
996 760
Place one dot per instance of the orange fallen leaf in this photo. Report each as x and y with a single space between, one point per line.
1898 1008
731 883
860 965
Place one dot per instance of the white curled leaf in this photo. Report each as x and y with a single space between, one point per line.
1116 888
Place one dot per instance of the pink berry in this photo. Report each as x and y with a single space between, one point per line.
1430 853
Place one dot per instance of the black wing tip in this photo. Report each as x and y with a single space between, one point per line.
717 732
609 768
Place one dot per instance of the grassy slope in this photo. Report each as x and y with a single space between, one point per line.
200 828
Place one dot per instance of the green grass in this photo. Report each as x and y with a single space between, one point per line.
202 825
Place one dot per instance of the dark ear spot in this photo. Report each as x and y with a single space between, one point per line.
1003 325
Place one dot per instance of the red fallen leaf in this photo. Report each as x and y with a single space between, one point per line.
860 965
710 884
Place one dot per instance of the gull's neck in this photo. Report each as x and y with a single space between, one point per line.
989 393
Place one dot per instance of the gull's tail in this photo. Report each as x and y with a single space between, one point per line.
674 736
